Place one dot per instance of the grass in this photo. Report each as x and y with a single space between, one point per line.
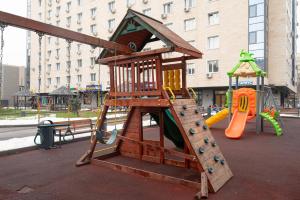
84 114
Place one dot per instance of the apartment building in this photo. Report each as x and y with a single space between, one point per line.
218 28
12 82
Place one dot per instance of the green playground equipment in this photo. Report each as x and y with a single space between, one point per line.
273 121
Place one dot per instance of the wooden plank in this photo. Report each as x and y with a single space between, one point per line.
29 24
147 174
135 93
134 55
139 102
172 66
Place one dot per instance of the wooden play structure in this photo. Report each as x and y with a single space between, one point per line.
147 83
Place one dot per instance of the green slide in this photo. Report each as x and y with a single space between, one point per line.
171 130
271 119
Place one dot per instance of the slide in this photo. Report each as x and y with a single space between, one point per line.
274 123
171 130
217 117
237 125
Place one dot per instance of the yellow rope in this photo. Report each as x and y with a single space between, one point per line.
194 93
172 98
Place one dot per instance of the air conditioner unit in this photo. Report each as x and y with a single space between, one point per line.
48 18
209 75
56 15
92 50
68 25
113 11
47 86
57 57
78 52
164 15
78 22
187 9
95 33
33 69
92 66
110 30
77 69
49 4
57 42
68 70
55 86
145 1
47 59
57 1
67 10
94 17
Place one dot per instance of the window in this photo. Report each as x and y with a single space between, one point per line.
111 7
57 11
93 76
57 53
49 53
57 80
189 3
78 48
79 78
213 42
167 8
190 24
68 79
49 14
191 68
79 63
49 81
49 68
130 3
40 16
40 3
79 17
78 2
93 29
79 30
69 21
213 18
111 24
49 40
252 38
92 61
57 66
213 66
68 63
253 11
93 13
68 6
147 11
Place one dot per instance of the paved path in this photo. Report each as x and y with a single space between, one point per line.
16 132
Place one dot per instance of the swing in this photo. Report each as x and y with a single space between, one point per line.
100 134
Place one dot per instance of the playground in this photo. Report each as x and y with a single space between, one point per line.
265 167
245 151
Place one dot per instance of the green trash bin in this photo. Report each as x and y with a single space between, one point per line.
46 132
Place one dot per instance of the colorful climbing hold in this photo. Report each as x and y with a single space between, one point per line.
210 170
206 140
198 123
184 107
216 158
192 131
201 150
182 113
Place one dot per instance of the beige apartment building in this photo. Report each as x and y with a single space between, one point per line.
218 28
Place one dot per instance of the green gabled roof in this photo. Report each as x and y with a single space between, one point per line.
137 29
246 66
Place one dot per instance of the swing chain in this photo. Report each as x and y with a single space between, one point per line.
2 27
69 62
40 34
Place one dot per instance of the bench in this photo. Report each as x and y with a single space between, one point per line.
75 127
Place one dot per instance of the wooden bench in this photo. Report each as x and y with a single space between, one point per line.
75 127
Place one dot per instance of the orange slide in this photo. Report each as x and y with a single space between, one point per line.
237 124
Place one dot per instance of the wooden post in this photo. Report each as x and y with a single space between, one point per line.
158 73
161 135
132 78
203 193
112 77
141 138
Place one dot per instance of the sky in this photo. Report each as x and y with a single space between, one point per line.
15 39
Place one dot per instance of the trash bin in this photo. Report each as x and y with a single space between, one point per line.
46 132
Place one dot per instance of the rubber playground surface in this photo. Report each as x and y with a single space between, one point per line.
264 167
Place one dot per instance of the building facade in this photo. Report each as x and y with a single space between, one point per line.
220 29
12 82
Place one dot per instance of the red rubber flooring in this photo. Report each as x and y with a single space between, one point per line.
264 166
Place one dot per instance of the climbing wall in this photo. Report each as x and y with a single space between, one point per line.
201 143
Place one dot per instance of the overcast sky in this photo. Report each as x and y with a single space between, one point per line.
15 39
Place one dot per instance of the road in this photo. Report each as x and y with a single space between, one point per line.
16 132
